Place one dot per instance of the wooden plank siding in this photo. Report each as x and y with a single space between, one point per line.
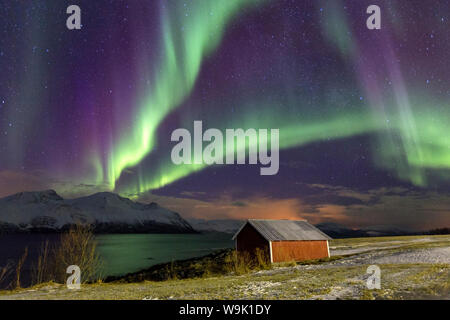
299 250
249 239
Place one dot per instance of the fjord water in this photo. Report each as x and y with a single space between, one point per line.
125 253
121 253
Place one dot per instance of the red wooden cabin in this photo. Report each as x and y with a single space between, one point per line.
282 240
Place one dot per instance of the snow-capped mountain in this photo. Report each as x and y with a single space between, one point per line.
106 212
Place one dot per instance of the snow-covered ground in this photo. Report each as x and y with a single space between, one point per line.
428 255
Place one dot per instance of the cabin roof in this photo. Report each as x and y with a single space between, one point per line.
285 230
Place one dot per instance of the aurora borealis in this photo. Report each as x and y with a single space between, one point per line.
363 114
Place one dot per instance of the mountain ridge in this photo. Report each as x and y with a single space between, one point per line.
332 229
106 212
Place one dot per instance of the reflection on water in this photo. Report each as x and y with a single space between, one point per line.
124 253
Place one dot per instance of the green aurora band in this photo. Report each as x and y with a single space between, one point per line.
409 142
181 59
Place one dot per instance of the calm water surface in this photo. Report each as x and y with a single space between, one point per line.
124 253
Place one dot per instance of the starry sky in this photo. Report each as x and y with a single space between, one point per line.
363 114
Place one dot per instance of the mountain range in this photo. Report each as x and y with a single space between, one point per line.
334 230
46 211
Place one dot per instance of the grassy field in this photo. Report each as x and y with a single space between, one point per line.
416 268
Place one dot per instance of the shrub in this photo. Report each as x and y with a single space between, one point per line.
77 247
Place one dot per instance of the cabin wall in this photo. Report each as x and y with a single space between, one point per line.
249 239
299 250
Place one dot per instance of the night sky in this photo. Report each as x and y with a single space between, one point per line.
363 114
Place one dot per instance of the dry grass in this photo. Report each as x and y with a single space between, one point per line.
243 262
5 272
41 270
19 266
